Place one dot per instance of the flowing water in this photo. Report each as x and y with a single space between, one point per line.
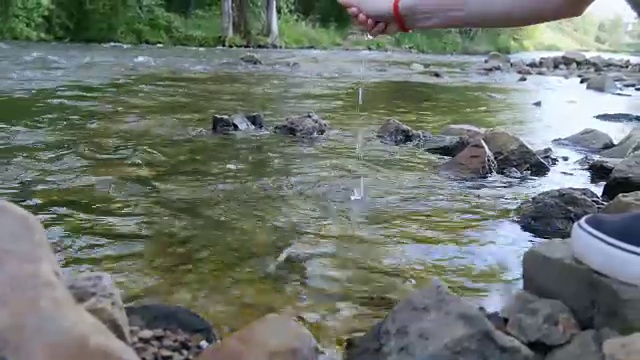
98 140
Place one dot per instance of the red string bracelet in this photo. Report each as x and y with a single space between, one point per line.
398 17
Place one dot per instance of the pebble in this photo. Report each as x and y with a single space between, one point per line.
162 344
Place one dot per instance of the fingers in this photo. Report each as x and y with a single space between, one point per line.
378 29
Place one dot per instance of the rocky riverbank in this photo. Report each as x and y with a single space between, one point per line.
565 311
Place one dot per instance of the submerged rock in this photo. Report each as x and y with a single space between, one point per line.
550 271
511 152
590 139
236 122
306 125
618 117
552 213
435 324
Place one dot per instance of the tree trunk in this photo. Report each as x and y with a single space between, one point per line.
227 20
272 23
241 18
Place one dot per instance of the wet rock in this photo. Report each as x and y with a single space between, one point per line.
586 345
41 319
474 161
170 318
511 152
236 122
252 59
98 294
627 146
272 337
163 344
618 117
590 139
416 67
497 57
548 156
394 132
601 169
552 213
602 83
525 70
434 324
624 178
522 78
306 125
462 130
622 348
595 300
573 57
537 103
443 145
628 83
540 322
623 203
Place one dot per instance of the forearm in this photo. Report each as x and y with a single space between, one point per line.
429 14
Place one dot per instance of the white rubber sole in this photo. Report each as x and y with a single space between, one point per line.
604 254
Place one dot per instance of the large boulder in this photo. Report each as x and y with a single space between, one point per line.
474 161
435 324
601 169
624 178
272 337
552 213
511 152
628 145
41 319
550 271
443 145
98 294
590 139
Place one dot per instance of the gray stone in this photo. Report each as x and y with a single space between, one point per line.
435 324
550 271
602 83
628 145
462 130
628 202
552 213
586 345
533 320
306 125
624 178
98 294
590 139
394 132
602 168
511 152
622 348
443 145
473 162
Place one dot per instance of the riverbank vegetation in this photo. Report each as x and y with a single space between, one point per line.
286 23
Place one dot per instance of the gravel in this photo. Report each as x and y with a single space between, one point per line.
160 344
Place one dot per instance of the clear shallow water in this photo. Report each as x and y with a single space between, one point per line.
96 139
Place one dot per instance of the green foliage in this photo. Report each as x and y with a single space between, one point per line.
302 23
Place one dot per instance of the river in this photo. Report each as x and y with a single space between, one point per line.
97 141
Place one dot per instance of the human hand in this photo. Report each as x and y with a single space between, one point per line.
373 16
